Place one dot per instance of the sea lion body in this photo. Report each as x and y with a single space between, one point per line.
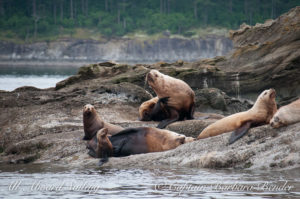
181 98
141 140
261 113
92 123
286 115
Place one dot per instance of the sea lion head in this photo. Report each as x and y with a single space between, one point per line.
102 134
267 95
88 110
104 146
154 78
266 102
278 119
145 110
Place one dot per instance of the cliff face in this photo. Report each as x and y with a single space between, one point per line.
127 50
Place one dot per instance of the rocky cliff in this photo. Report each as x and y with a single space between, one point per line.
125 50
46 125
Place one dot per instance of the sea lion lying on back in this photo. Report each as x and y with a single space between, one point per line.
261 113
286 115
153 109
92 123
134 141
180 97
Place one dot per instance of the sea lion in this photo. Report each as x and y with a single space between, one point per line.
104 146
180 98
261 113
286 115
92 123
153 109
134 141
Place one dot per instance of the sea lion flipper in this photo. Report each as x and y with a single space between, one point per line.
117 149
240 132
85 138
102 161
158 107
92 153
163 100
174 116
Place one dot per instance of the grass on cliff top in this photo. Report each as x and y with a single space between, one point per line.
83 33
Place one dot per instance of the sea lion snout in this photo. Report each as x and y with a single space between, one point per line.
152 76
272 93
149 77
87 109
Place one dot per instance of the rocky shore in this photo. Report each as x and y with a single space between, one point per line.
45 125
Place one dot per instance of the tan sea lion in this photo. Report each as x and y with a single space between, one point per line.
286 115
92 123
135 141
261 113
153 110
179 97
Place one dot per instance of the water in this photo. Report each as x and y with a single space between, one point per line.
48 181
237 85
12 77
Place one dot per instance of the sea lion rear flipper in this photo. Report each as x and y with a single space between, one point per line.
240 132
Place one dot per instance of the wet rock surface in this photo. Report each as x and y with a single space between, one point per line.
45 125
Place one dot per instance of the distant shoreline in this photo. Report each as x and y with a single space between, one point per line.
73 63
43 63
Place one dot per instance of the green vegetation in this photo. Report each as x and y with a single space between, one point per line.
27 20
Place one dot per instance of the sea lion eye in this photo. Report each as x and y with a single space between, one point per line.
265 93
276 119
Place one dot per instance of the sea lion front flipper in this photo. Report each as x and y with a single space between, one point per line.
102 161
117 149
157 108
240 132
92 153
174 116
85 138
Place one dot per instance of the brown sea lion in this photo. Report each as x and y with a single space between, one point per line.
92 123
286 115
135 141
104 146
153 110
261 113
180 101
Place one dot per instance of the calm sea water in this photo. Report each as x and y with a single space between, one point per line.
46 181
12 77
